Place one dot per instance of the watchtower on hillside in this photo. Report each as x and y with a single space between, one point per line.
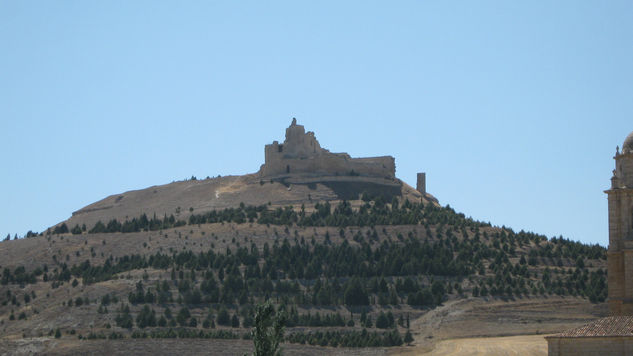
421 183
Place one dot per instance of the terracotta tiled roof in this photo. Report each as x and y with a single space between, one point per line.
609 326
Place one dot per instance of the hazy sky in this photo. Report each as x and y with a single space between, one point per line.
513 109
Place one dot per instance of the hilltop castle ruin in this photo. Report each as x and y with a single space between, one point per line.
301 154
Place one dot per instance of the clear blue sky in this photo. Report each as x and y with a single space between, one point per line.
513 109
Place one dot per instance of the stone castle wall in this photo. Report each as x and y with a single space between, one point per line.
301 154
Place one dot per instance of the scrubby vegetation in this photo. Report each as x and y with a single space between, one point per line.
349 292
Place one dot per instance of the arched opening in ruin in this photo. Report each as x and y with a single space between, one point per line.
288 169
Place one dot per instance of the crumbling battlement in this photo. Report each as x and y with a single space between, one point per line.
301 154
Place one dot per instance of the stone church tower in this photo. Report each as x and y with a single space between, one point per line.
620 253
612 335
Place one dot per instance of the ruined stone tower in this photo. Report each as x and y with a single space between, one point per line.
620 253
421 183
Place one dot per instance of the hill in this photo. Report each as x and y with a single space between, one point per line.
360 262
348 277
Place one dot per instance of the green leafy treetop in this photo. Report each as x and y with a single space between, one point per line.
268 332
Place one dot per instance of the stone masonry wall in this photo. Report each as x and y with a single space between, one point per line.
331 164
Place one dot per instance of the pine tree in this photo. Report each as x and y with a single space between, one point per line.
269 330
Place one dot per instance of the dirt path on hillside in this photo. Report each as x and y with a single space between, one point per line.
528 345
496 327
